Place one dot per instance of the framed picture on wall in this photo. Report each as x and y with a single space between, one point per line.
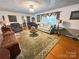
23 19
12 18
38 18
28 18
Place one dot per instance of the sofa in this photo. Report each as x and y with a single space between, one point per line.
50 29
45 28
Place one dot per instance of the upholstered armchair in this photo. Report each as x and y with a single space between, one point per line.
16 27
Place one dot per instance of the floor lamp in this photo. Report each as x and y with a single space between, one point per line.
58 30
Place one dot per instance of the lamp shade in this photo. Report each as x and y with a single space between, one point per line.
31 8
60 21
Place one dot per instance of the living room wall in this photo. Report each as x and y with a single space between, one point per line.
18 16
65 16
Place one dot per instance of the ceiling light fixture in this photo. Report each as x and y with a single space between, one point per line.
31 8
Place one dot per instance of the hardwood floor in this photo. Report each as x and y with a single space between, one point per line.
67 48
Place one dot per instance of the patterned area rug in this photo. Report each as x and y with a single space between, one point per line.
36 47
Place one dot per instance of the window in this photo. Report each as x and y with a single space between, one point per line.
74 15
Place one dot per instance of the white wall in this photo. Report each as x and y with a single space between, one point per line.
65 15
18 15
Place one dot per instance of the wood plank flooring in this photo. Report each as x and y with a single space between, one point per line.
67 48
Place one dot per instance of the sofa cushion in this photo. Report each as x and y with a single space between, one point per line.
44 27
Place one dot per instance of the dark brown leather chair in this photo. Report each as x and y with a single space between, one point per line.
10 42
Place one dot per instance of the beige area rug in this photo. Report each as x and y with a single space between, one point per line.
36 47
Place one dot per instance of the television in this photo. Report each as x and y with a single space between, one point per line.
74 15
12 18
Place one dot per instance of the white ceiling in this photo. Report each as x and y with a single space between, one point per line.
22 6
